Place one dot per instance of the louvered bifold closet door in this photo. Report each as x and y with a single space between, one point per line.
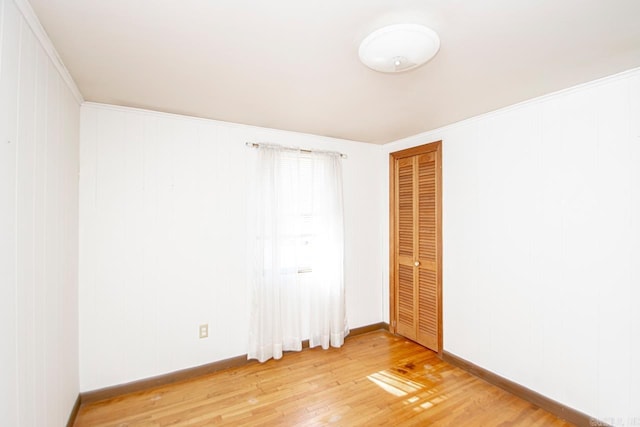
416 228
405 243
427 268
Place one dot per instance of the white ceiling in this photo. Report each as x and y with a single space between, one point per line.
293 65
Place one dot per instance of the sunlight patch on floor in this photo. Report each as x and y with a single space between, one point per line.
394 384
430 403
419 397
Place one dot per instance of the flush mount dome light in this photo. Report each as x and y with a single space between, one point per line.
398 48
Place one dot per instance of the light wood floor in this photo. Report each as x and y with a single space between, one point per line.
375 379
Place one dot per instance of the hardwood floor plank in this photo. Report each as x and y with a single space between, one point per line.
374 379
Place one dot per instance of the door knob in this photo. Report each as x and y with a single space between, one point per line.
417 263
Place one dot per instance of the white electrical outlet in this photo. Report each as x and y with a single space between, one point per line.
204 330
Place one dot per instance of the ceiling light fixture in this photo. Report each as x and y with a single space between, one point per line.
399 47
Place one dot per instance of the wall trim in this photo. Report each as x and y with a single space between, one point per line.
74 412
558 409
190 373
231 125
161 380
43 38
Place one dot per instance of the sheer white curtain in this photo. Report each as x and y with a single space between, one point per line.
297 248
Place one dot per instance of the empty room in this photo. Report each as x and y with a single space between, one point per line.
218 212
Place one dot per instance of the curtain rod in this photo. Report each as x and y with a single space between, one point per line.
257 145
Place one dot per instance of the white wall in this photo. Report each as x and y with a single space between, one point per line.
39 125
163 234
542 244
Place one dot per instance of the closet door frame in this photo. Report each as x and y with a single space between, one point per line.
436 147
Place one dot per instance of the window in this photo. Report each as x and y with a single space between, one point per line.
297 249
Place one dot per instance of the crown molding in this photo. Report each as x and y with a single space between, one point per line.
34 23
436 133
